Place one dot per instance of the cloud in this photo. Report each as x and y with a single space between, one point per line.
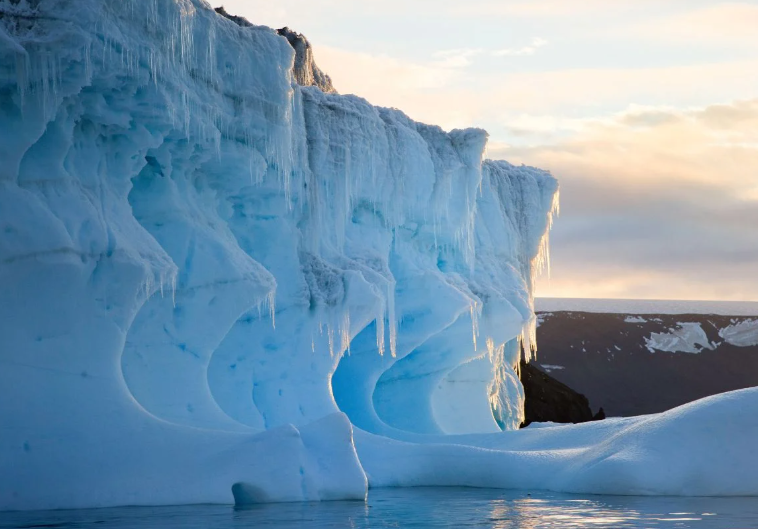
367 72
554 90
724 23
458 58
546 8
446 91
424 90
525 50
656 203
462 57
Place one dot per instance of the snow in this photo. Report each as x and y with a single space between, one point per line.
551 367
705 448
647 306
689 337
634 319
741 334
218 286
547 424
542 316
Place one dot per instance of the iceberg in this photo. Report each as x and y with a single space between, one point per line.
218 285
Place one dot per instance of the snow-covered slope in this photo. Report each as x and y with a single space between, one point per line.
741 334
209 274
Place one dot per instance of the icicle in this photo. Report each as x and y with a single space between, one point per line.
538 264
345 332
330 337
391 318
173 288
490 343
88 62
528 339
541 261
23 72
271 303
380 331
474 310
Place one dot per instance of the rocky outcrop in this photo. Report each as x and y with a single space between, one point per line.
548 400
305 70
240 21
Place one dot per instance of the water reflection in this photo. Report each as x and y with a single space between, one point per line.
421 508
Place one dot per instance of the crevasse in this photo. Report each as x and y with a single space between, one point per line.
217 285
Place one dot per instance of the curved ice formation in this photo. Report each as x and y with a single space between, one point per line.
209 274
704 448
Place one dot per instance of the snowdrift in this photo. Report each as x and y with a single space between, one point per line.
705 448
209 274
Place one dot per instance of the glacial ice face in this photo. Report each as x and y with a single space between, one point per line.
206 268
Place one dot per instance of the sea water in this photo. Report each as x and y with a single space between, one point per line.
421 508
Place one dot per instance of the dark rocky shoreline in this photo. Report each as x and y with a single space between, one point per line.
609 359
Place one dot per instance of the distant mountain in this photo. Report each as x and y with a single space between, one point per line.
648 360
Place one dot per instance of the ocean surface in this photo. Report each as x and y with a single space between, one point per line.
646 306
421 508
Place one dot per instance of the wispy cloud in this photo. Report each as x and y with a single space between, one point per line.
725 23
656 201
548 8
531 49
463 57
458 58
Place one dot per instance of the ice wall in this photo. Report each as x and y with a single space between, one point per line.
206 269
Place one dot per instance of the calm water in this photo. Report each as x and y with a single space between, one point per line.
422 508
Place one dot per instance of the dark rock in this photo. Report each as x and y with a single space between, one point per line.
605 356
305 71
548 400
600 415
240 21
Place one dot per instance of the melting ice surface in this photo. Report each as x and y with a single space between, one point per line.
218 286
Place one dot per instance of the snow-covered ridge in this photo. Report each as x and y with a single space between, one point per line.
191 243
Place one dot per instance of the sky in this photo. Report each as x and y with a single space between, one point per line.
645 110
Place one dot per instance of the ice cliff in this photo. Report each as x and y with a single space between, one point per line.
210 274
